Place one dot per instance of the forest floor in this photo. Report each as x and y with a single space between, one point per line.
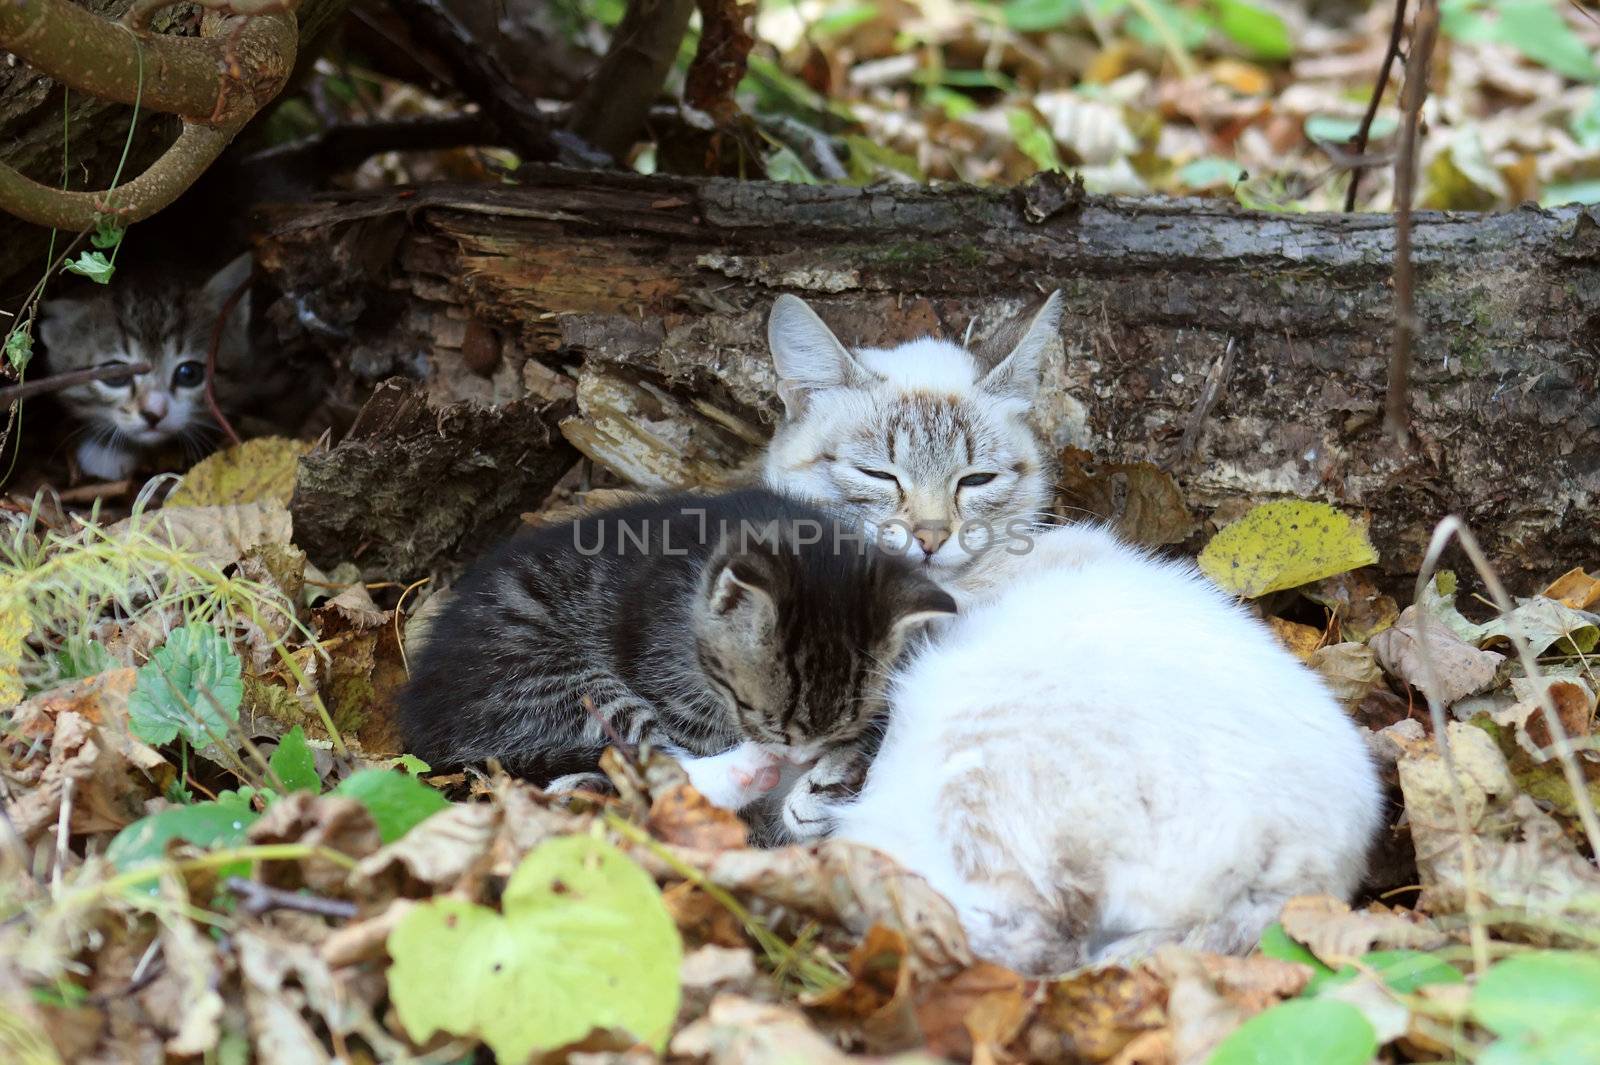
214 848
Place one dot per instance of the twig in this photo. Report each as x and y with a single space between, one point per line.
1358 143
256 898
63 833
211 354
1423 34
88 493
624 748
612 108
1216 379
72 379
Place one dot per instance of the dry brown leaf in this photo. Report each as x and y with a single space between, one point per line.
1301 641
1574 704
1096 1014
1140 499
1337 935
1575 589
701 918
102 765
1462 668
877 1002
1360 608
279 1033
223 535
432 856
1350 670
184 999
363 940
742 1031
330 821
973 1014
683 816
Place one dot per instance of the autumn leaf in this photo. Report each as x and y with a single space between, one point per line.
1284 545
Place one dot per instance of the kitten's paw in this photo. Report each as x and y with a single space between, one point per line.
734 778
104 462
808 812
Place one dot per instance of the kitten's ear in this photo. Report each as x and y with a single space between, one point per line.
58 321
808 356
226 281
1017 375
738 589
926 603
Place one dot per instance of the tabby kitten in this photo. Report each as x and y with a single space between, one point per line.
165 321
927 446
737 631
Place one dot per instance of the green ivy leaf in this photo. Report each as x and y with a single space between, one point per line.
1529 996
294 763
583 943
1304 1031
1404 971
191 687
1276 943
93 265
397 802
107 234
1255 29
1033 139
80 657
19 349
223 823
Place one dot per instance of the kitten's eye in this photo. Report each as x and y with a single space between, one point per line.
121 380
973 480
188 374
881 475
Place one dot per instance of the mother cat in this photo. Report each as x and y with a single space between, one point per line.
1103 752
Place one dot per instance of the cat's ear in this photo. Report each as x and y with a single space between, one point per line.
739 594
1017 375
809 358
926 603
58 320
226 281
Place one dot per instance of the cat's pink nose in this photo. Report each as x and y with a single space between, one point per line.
931 537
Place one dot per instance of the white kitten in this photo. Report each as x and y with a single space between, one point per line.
1111 754
929 448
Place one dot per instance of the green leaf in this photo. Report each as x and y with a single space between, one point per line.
1190 26
1585 124
1536 29
1033 139
190 688
1576 192
1531 995
93 265
1405 971
1032 16
107 235
785 165
868 159
583 943
411 764
1255 29
397 802
1210 172
1276 943
223 823
19 349
294 763
954 104
1334 129
1284 545
80 657
1314 1031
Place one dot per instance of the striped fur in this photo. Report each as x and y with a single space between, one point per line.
164 321
676 628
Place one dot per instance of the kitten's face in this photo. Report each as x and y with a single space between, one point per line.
165 325
932 451
798 644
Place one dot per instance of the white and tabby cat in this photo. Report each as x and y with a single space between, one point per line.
920 441
159 319
1108 755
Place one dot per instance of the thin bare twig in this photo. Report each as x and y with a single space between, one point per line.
1424 32
1358 143
211 354
256 898
61 381
611 110
1210 392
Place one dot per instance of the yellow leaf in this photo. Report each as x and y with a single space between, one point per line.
14 628
1300 640
255 471
1575 588
1284 545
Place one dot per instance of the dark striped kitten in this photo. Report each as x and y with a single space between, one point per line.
737 631
156 317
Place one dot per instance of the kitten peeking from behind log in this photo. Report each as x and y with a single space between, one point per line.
738 632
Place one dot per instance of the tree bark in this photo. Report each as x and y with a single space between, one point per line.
1241 354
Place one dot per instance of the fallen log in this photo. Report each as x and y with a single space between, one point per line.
1240 354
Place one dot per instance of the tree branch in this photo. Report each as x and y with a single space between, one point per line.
611 110
1424 31
181 74
1358 143
60 381
196 148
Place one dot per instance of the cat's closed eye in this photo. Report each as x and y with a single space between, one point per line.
881 475
974 480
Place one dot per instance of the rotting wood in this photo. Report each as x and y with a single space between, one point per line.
671 280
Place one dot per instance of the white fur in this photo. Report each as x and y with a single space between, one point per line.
1109 754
